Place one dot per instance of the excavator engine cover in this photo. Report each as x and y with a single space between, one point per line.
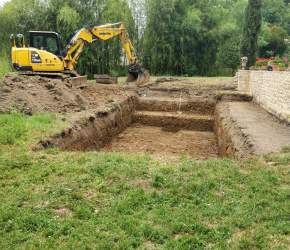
138 75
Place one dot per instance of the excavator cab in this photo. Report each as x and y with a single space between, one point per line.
45 40
43 53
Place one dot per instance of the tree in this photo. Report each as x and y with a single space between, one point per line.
228 55
138 10
163 22
272 41
251 30
185 37
67 21
274 12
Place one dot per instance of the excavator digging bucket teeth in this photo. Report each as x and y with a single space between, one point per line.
141 79
138 75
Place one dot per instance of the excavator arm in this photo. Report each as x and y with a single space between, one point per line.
109 31
104 33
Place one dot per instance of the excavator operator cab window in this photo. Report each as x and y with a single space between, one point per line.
48 41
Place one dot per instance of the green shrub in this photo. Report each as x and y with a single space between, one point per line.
261 64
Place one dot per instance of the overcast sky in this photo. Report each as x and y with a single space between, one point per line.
3 1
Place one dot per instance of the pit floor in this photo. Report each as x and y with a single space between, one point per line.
158 142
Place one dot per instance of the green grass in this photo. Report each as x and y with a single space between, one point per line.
4 64
17 128
64 200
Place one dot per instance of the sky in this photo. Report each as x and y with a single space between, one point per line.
3 1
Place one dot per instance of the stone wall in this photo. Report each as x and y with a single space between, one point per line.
243 79
269 89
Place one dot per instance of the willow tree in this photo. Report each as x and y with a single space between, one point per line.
106 56
182 37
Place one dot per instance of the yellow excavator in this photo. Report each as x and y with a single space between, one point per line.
44 55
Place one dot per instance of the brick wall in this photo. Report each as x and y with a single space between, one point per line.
269 89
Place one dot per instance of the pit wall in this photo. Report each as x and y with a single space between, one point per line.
93 131
231 140
271 90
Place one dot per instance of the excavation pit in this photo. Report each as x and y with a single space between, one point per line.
168 134
168 128
199 128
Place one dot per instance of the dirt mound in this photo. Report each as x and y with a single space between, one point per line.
31 94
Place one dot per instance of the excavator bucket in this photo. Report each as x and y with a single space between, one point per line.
138 75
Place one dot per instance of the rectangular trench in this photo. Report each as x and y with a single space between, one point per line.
162 127
169 128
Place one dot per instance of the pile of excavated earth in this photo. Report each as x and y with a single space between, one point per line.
32 94
167 118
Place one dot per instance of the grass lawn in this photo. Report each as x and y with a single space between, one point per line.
4 64
63 200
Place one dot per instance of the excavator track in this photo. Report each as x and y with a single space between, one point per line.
68 76
55 75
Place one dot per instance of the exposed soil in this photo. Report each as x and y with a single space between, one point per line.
196 105
32 94
175 121
187 88
231 139
174 117
93 130
119 129
244 129
161 143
